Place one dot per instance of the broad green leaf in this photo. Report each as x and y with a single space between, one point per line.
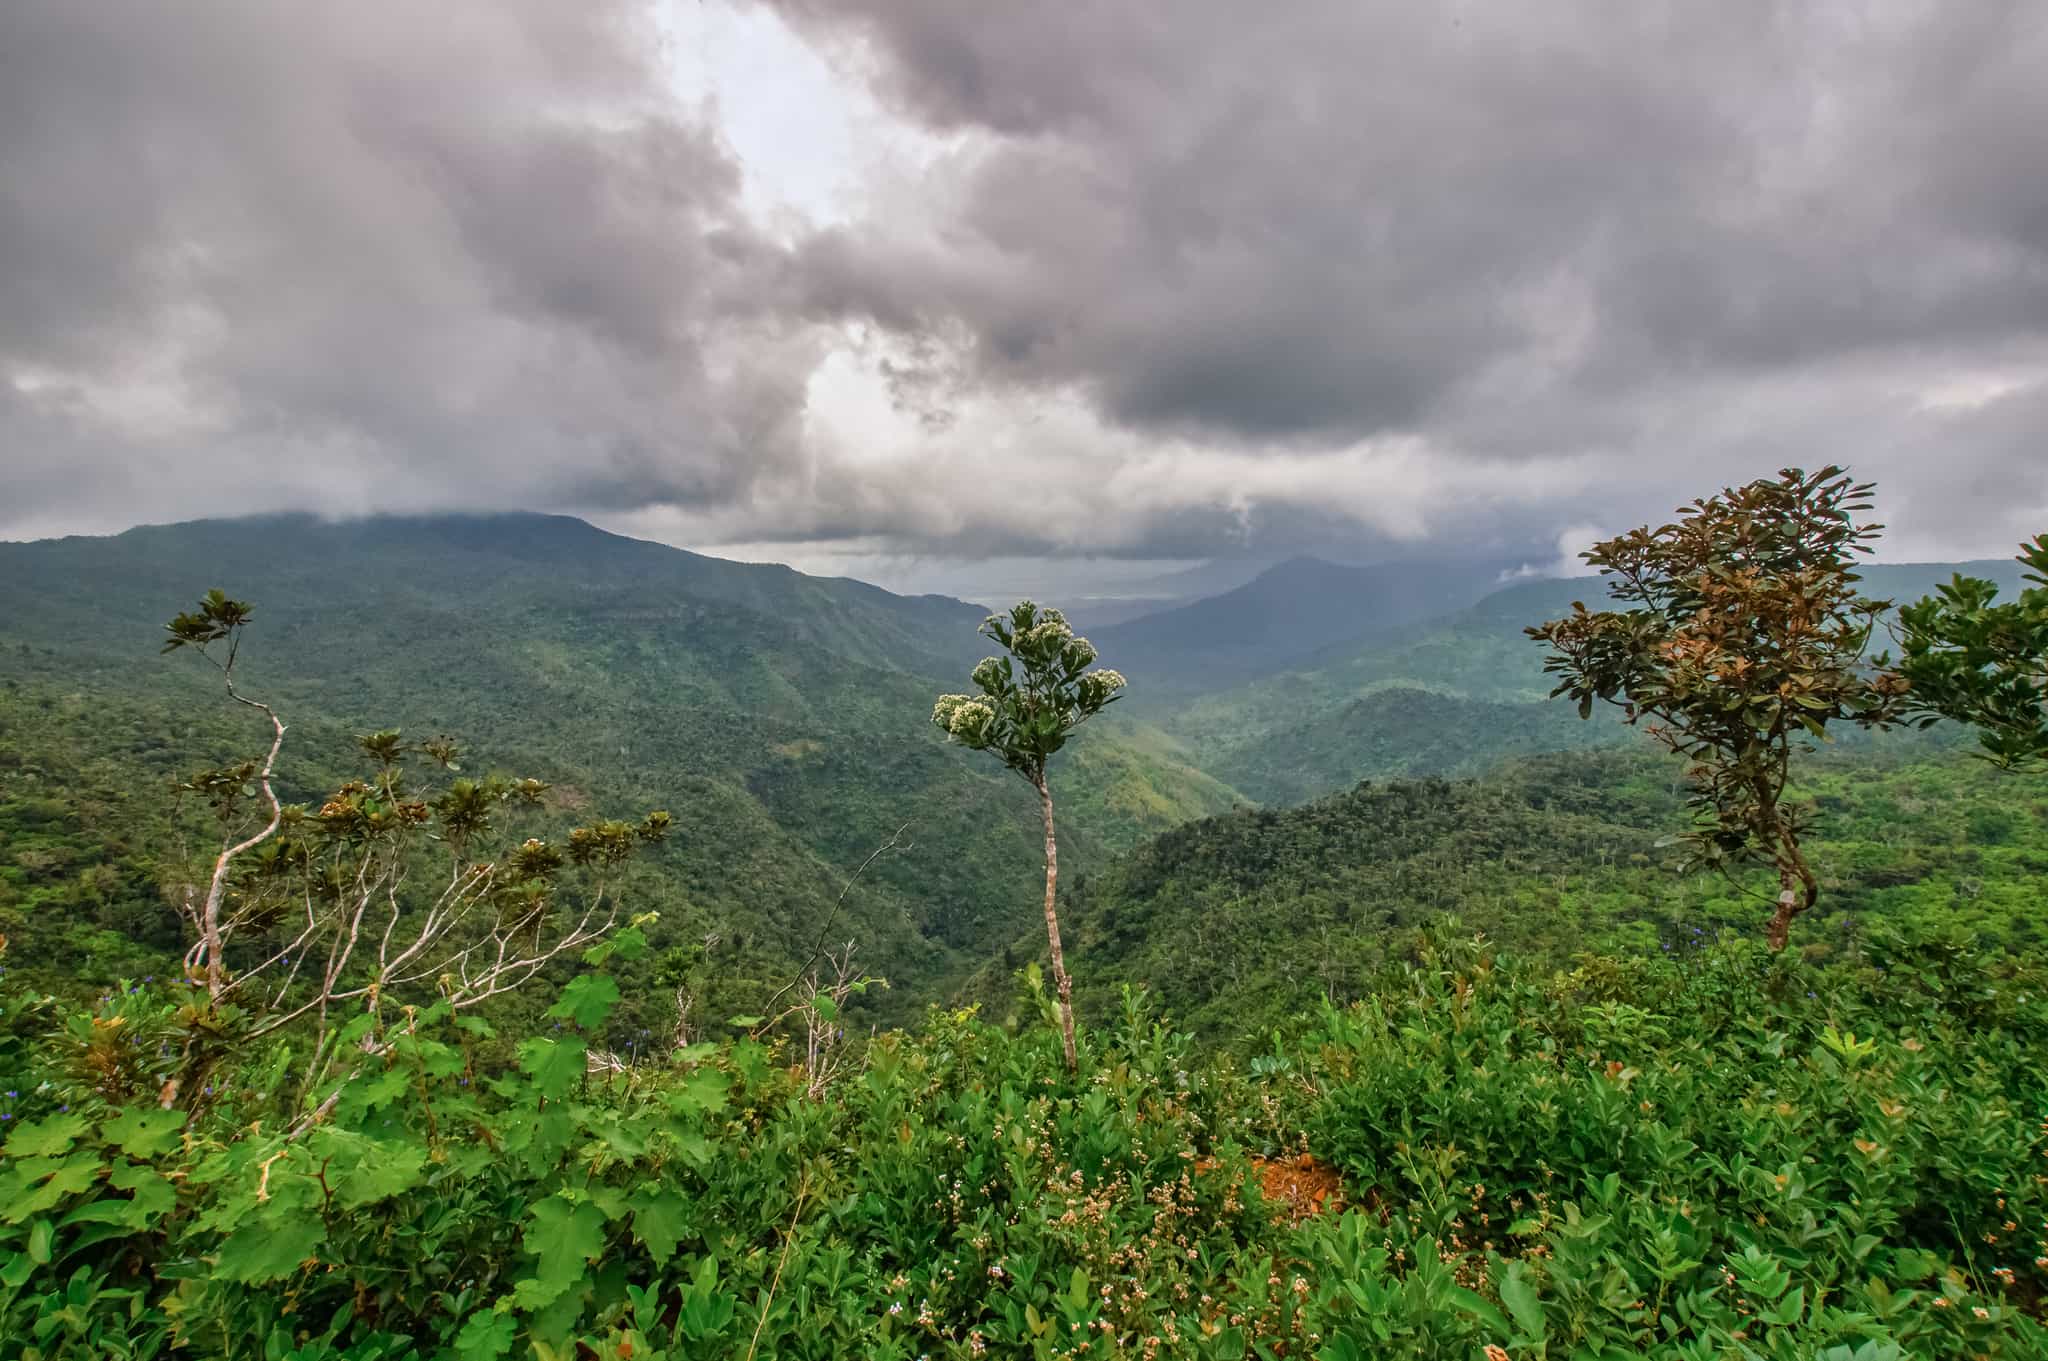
45 1138
1340 1348
43 1182
704 1091
660 1221
587 1000
1476 1305
39 1234
387 1088
152 1196
1520 1298
485 1336
143 1131
628 943
259 1252
555 1066
385 1171
564 1238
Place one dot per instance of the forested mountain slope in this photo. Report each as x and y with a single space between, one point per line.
781 718
1286 614
1319 727
1238 920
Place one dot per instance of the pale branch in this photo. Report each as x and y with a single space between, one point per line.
894 843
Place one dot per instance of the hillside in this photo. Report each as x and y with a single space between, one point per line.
1400 731
781 717
1236 921
1316 728
1287 613
1613 1124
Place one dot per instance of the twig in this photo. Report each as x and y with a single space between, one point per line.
803 1187
894 843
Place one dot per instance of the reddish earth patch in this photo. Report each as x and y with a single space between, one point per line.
1301 1187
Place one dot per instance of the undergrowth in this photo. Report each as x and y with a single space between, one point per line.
1727 1154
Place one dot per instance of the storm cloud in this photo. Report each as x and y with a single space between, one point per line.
359 256
1158 281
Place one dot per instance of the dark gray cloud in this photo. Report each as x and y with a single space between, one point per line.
1171 281
357 255
1531 232
1330 220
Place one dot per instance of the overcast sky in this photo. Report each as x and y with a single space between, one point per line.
902 287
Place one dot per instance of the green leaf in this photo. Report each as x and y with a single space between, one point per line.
153 1195
564 1238
1340 1348
587 1000
1478 1308
1520 1298
485 1336
628 943
660 1221
143 1131
705 1090
45 1138
827 1009
386 1170
746 1022
39 1234
555 1066
52 1182
259 1252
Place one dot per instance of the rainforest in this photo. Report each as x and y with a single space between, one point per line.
499 938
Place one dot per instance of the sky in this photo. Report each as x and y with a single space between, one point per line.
942 294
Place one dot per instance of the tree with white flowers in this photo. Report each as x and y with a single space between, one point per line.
1030 702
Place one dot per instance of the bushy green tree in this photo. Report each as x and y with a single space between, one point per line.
307 910
1970 657
1031 700
1745 634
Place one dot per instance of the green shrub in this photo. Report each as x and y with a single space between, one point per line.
1686 1158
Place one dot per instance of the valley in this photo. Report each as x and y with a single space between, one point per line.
1341 888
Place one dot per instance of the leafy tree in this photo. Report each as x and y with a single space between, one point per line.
221 620
318 907
1971 658
1031 701
1745 636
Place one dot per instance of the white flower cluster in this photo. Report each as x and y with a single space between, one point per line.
965 718
1099 687
987 672
1047 638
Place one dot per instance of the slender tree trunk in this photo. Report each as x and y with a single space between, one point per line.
217 887
1797 891
1052 924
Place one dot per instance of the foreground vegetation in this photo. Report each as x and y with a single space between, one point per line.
421 1072
1726 1154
